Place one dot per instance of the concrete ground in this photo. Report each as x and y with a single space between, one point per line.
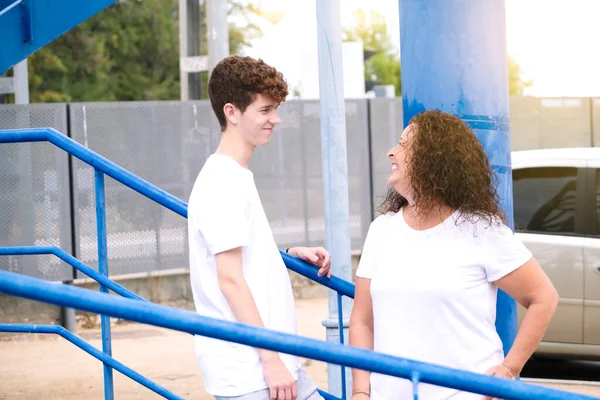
35 367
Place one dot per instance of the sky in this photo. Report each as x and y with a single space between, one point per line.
554 41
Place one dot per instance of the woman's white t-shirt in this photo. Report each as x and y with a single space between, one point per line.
433 296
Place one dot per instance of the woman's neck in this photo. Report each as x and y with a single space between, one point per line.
421 219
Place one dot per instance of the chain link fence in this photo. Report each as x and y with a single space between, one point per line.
34 192
167 143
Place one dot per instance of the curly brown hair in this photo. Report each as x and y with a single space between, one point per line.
447 165
237 80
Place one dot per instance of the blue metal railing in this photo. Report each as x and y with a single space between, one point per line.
103 166
82 344
342 287
146 312
75 263
188 321
76 340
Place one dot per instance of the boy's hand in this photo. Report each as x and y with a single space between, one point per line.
317 256
281 382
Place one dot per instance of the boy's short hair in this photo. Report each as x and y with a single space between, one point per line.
237 80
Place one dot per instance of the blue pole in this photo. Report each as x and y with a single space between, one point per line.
454 59
103 269
335 167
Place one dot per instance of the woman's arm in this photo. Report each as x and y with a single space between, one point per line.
532 288
361 335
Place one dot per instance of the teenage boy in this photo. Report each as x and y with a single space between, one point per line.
237 273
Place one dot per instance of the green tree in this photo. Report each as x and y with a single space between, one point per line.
383 65
516 84
130 51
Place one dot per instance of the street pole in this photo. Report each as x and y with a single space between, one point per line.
335 173
218 31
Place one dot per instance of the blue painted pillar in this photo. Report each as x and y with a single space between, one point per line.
454 59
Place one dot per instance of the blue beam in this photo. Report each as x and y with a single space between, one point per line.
72 261
88 156
188 321
454 59
82 344
29 25
311 272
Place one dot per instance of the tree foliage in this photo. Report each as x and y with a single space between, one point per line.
129 51
382 66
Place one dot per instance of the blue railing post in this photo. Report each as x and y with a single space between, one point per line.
103 269
416 379
341 329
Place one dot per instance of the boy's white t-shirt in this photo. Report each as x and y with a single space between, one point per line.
433 296
225 212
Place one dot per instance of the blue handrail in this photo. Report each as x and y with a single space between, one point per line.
82 344
98 162
104 166
187 321
75 263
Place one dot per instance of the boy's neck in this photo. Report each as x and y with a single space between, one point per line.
234 146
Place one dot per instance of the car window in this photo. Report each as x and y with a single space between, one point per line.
544 199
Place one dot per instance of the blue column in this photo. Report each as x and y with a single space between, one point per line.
454 60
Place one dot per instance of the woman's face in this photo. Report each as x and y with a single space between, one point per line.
399 155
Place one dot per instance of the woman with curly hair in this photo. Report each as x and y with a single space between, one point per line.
432 264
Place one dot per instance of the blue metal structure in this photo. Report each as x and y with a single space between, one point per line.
75 263
28 25
82 344
454 59
136 309
103 166
187 321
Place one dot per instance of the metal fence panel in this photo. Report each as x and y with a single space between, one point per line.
34 195
164 143
167 143
544 123
288 174
386 126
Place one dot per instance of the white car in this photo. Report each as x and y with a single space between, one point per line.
556 197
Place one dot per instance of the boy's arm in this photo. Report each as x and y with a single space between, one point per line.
234 287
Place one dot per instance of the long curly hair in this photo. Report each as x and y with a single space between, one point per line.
237 80
447 165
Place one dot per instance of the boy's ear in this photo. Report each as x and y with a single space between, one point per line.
232 113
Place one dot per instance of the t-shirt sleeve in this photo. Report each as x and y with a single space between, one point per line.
221 218
366 265
503 252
